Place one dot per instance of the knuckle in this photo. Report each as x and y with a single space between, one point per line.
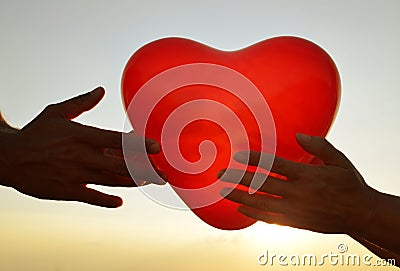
50 109
77 101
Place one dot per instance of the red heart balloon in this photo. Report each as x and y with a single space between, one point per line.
204 104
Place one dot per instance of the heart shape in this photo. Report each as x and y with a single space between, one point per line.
204 105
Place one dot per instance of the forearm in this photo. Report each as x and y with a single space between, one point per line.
379 251
6 132
381 230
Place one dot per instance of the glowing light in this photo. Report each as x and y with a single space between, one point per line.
270 233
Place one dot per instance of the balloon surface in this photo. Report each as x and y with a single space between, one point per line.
205 104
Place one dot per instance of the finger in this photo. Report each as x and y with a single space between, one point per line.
98 137
149 176
271 163
117 140
94 197
141 168
323 150
261 202
73 107
270 185
134 142
98 161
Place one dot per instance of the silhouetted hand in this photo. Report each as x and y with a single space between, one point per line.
54 158
328 198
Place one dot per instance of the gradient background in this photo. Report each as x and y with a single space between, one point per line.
53 50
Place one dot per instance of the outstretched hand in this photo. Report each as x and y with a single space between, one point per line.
330 198
55 158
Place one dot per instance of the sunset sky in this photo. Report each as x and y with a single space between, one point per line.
54 50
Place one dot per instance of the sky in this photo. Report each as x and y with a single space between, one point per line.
54 50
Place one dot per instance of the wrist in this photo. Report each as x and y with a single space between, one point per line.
365 212
7 136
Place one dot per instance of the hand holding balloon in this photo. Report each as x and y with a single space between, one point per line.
331 197
328 198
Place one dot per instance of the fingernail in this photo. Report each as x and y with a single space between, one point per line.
153 146
303 138
116 202
140 183
97 90
164 176
163 179
225 191
241 157
159 182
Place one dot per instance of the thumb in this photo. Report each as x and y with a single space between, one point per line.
323 150
73 107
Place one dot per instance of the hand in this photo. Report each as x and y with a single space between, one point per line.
330 198
54 158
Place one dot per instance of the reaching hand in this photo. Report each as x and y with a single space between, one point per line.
330 198
54 158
